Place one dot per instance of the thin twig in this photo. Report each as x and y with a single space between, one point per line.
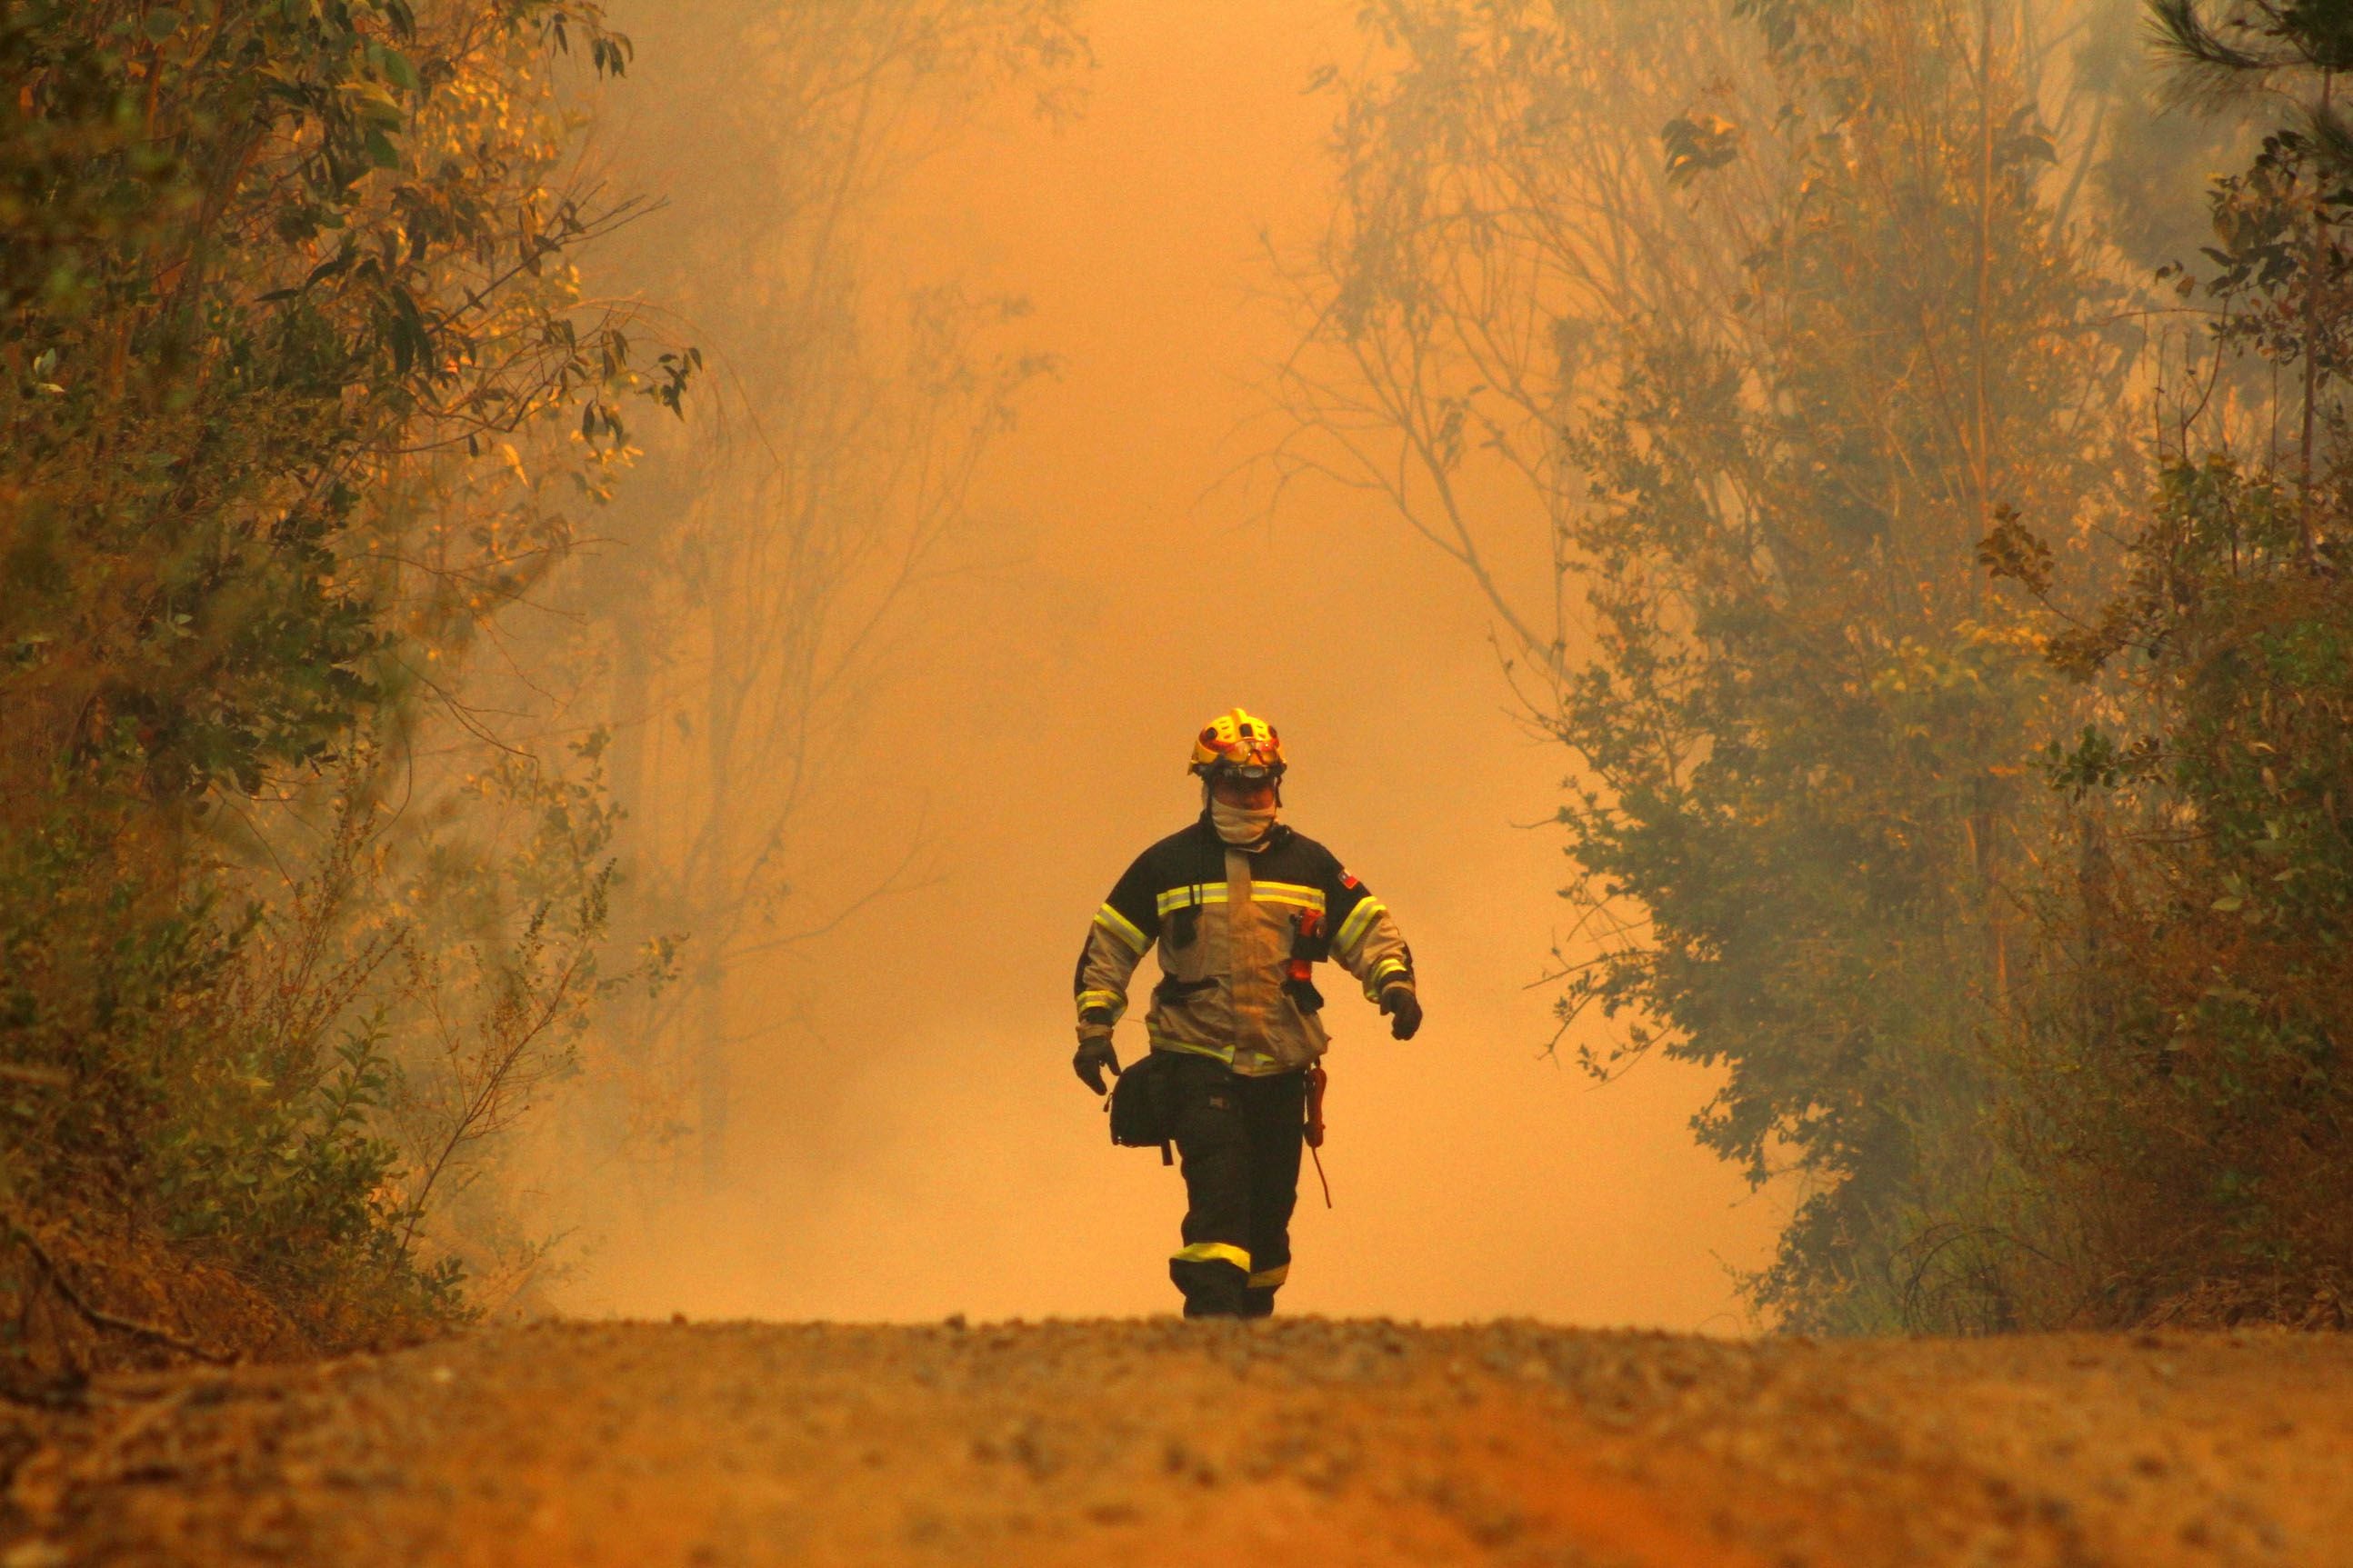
98 1317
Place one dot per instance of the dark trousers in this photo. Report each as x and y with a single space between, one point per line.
1241 1138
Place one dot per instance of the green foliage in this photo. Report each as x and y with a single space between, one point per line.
1830 409
2188 1092
264 255
1769 387
1695 144
288 298
2198 1146
177 1073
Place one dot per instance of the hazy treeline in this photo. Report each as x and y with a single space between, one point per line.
1936 583
330 669
762 558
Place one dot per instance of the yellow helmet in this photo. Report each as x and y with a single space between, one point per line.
1238 738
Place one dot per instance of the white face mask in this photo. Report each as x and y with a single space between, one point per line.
1239 825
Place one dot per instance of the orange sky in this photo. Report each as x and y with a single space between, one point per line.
912 1143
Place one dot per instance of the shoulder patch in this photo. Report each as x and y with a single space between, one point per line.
1348 881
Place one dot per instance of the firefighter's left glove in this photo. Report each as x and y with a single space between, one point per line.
1094 1054
1404 1011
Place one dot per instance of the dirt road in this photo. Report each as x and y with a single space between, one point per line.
1165 1443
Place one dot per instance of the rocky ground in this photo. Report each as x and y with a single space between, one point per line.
1160 1442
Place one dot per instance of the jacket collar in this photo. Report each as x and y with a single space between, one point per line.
1207 830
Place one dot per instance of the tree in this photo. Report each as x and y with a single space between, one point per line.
1713 358
759 571
283 282
2185 1102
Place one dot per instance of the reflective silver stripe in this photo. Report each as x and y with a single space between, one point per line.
1287 893
1359 921
1111 1000
1120 926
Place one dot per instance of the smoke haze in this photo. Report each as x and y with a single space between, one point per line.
907 1139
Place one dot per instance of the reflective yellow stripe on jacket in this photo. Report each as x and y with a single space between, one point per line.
1359 921
1193 895
1120 926
1161 1042
1200 895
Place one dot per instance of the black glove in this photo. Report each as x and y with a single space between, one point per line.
1404 1009
1094 1054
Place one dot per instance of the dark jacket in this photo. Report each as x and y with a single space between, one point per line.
1238 930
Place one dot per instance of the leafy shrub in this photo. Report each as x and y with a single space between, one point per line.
286 296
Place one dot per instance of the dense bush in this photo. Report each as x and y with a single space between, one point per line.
1750 326
1771 336
286 292
2189 1106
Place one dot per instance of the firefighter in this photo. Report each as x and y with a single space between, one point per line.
1242 909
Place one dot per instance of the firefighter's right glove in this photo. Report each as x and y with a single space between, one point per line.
1404 1011
1094 1054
